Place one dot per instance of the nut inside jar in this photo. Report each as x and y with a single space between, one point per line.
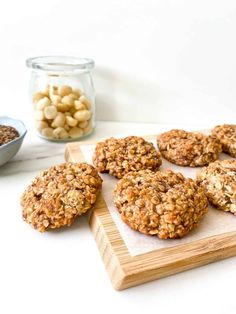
62 112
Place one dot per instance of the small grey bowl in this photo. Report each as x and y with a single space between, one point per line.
9 150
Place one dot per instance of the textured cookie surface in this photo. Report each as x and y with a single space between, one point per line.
226 134
60 194
165 204
119 156
188 148
219 181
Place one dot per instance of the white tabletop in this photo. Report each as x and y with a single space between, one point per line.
62 272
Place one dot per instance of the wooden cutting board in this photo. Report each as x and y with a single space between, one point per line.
126 270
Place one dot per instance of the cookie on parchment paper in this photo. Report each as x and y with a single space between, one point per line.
226 134
165 204
219 181
119 156
58 195
192 149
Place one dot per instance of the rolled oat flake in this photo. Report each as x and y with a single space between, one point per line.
7 134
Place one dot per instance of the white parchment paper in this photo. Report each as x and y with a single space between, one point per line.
215 221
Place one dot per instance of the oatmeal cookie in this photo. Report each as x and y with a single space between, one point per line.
227 136
119 156
60 194
188 148
219 181
165 204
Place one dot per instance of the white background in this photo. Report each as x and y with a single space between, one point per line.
157 61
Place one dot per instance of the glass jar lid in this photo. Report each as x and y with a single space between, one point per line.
60 63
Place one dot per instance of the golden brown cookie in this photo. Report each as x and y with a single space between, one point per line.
60 194
119 156
226 134
219 181
188 148
165 204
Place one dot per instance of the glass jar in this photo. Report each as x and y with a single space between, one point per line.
63 97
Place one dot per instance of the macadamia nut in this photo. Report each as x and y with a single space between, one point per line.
75 132
56 99
59 120
62 112
42 103
62 107
47 132
85 101
82 115
79 105
71 121
67 100
50 112
60 133
64 90
83 125
73 96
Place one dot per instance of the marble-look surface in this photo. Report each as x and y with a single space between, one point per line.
62 272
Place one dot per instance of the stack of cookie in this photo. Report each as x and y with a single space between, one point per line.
153 202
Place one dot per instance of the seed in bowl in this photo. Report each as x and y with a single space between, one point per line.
7 134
